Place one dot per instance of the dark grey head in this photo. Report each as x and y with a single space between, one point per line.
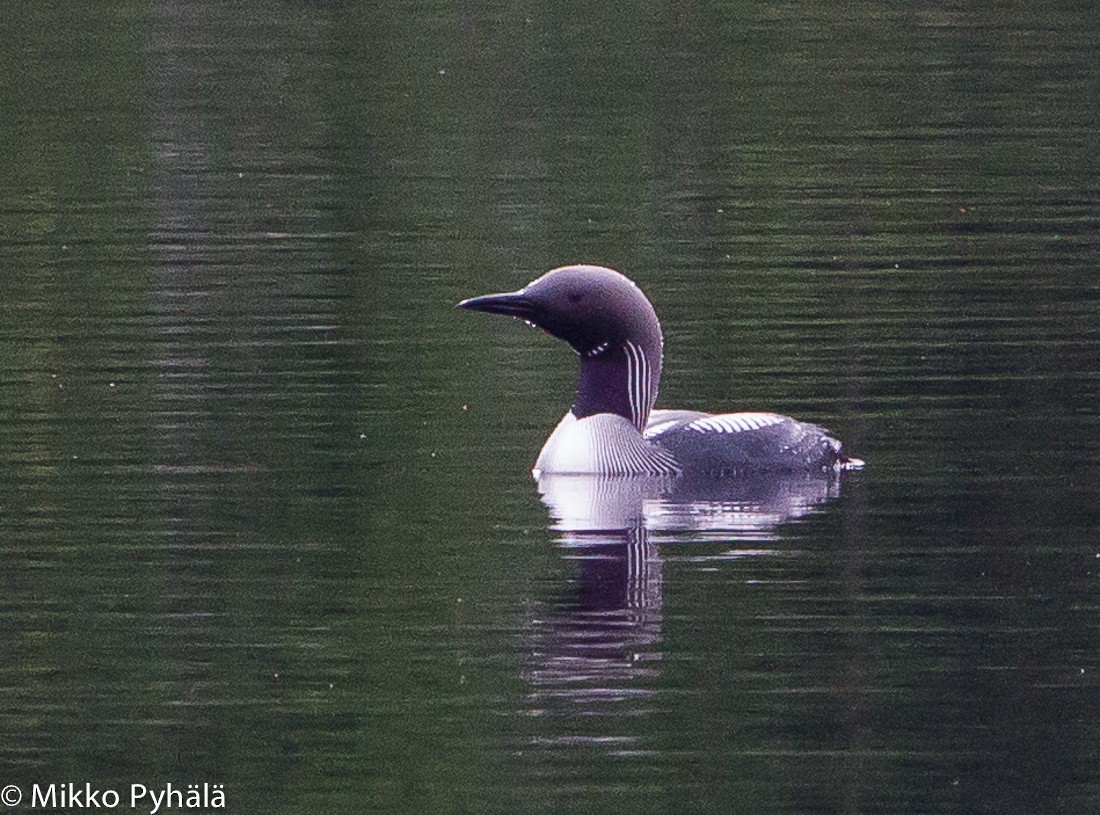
607 321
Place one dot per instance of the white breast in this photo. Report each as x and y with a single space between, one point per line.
604 444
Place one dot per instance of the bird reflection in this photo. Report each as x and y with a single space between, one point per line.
596 650
718 508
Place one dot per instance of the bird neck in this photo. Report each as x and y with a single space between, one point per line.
620 378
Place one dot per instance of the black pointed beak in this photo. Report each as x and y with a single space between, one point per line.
511 304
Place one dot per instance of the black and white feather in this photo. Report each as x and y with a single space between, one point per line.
735 443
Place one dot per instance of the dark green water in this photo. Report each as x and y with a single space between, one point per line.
266 518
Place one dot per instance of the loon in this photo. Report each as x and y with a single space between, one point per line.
612 428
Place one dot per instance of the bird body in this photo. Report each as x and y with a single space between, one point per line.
612 428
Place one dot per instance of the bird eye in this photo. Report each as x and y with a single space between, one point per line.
575 296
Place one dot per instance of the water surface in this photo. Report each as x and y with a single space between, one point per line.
266 511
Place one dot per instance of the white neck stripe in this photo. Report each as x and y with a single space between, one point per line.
639 385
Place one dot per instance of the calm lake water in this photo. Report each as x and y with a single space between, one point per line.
266 512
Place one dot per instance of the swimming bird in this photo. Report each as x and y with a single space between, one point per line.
612 427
